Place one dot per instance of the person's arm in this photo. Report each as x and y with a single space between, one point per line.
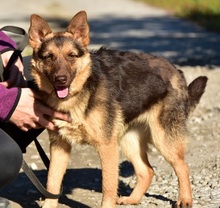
8 96
16 71
8 101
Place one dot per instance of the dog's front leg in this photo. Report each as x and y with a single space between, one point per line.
59 157
108 152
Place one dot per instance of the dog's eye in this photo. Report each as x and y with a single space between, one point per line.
72 55
47 56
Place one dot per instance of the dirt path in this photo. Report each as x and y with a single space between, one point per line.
129 25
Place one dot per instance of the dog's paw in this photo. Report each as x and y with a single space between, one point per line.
125 200
181 204
50 203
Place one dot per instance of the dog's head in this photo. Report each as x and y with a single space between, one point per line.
59 58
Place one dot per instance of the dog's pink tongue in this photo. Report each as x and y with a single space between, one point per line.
62 92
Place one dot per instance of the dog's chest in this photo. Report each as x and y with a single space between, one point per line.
83 128
74 132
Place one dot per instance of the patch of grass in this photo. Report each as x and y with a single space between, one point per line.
204 12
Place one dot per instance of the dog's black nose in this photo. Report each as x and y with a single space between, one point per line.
61 80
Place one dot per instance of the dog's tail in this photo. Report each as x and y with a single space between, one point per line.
195 90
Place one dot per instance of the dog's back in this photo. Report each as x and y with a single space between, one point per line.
137 81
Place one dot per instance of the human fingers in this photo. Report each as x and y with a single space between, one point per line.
26 122
61 116
23 127
46 123
54 114
27 127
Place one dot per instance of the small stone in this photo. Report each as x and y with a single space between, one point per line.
34 166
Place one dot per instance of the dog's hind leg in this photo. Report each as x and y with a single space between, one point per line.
134 147
59 157
172 146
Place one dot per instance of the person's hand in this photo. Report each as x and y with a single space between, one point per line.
31 113
16 72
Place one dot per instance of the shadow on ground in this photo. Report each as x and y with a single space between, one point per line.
181 42
23 192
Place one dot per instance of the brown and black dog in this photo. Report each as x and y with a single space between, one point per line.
115 99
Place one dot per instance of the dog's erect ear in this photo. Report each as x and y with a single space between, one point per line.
38 30
79 28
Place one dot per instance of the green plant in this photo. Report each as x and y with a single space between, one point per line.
203 12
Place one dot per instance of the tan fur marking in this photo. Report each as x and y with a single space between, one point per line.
81 75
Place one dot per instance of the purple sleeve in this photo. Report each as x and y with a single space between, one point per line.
6 42
8 101
8 97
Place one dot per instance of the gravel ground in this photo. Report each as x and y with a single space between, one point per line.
137 27
82 183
